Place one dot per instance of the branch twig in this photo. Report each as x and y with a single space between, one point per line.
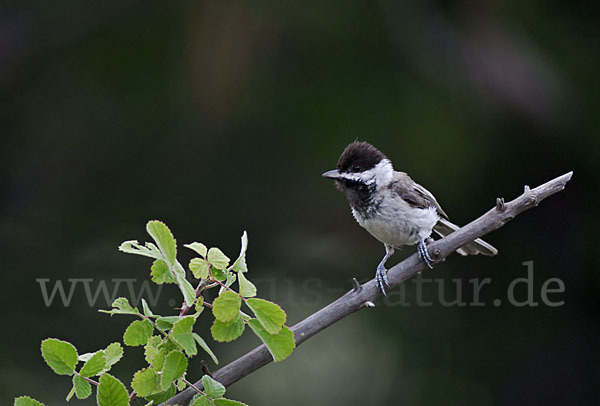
363 295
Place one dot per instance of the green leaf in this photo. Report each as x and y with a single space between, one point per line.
164 239
198 247
83 389
182 335
164 349
61 356
229 331
144 382
121 306
161 273
138 333
228 402
205 347
162 396
111 392
181 385
280 345
27 401
166 323
186 288
240 263
151 349
112 355
175 365
85 357
217 258
134 247
212 388
199 306
231 277
227 306
146 308
270 315
201 400
159 359
247 288
199 268
94 365
219 274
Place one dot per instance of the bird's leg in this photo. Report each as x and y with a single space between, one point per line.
423 253
381 273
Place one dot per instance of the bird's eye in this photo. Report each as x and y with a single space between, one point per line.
355 168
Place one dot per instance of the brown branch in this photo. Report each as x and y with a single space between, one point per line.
364 295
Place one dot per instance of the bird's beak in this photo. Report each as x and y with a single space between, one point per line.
333 174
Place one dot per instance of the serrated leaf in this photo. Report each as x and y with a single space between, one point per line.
198 247
199 268
174 367
121 306
212 388
182 335
159 359
269 314
27 401
247 288
151 349
240 263
227 306
164 239
227 402
205 347
162 396
166 322
134 247
144 382
200 400
280 345
94 365
138 333
83 389
111 392
112 354
226 332
217 258
181 385
61 356
161 273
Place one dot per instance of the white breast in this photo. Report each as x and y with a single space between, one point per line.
397 223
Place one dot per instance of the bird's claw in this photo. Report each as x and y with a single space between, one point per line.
382 279
424 254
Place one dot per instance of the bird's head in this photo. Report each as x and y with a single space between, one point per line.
361 165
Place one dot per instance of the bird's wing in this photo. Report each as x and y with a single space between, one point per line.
414 194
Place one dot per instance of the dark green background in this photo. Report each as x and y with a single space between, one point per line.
219 117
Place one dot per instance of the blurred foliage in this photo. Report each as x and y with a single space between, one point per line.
114 114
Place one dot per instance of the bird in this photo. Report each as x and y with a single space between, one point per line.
392 207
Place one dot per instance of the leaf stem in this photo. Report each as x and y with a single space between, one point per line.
191 385
87 379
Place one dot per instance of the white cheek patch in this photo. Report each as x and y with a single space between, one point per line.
381 174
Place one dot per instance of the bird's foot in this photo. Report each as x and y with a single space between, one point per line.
424 254
382 279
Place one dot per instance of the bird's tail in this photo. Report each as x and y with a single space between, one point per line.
478 246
